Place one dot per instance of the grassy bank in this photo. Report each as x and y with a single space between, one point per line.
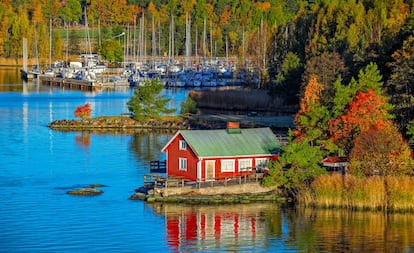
395 194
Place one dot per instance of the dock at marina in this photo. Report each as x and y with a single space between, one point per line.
83 85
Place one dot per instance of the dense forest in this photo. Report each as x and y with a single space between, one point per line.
347 65
287 40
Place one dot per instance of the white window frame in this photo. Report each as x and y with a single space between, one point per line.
261 162
183 145
245 164
227 165
182 164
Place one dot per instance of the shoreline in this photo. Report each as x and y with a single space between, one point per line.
209 199
277 124
240 193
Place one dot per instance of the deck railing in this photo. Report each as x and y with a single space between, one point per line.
158 181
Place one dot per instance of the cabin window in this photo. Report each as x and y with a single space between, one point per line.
245 164
261 162
183 163
183 145
227 166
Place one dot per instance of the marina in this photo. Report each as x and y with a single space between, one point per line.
90 80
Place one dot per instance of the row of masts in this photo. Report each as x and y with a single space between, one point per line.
135 49
134 43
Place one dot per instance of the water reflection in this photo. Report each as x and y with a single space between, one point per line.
267 227
83 139
146 144
345 231
220 227
10 75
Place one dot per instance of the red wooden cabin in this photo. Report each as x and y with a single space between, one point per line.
214 154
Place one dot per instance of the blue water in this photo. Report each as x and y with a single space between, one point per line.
39 165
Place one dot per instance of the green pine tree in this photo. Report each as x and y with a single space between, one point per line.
147 103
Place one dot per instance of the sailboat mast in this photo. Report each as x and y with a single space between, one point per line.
169 42
211 40
196 42
140 41
187 40
36 49
99 32
88 48
127 44
154 42
144 45
134 54
67 43
159 40
172 38
204 41
25 55
243 48
227 51
50 42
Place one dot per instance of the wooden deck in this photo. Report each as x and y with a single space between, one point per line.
157 181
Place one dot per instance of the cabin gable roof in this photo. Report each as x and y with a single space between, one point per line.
224 143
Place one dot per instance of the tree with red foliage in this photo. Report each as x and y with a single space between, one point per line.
381 150
83 111
368 109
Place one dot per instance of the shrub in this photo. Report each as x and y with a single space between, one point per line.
83 111
188 106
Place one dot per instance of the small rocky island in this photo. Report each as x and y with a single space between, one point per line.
118 122
90 190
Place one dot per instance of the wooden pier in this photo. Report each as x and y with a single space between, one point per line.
82 85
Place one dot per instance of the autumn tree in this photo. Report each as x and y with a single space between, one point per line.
367 84
327 67
381 150
311 120
367 110
19 29
83 111
299 161
6 12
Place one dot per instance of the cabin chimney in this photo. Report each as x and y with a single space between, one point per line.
233 127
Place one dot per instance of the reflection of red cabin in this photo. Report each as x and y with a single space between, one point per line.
215 154
212 228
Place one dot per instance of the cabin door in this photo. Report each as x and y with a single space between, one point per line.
210 170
